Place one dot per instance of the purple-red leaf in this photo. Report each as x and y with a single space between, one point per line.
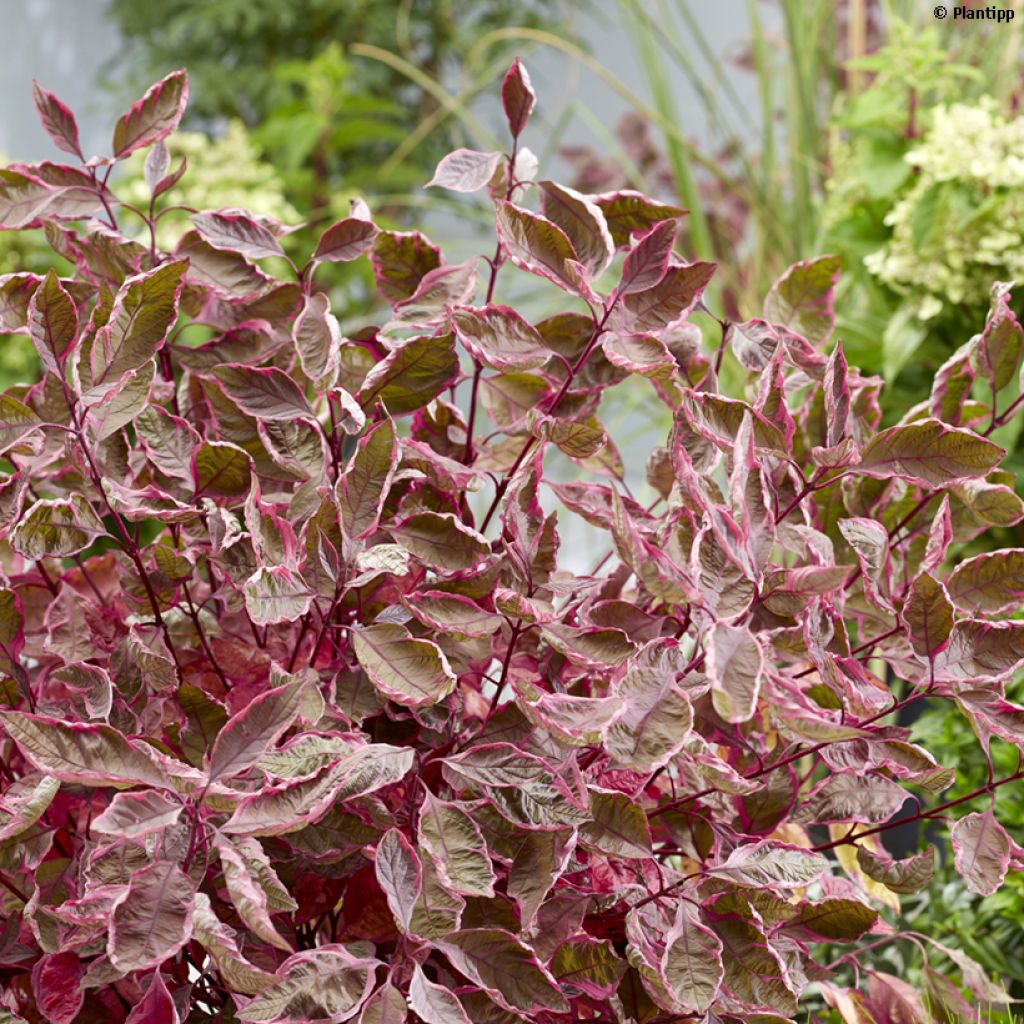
156 1006
56 985
646 263
517 97
346 240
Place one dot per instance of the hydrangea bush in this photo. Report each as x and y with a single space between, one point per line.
961 221
303 721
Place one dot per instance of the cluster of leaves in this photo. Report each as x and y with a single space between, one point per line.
302 719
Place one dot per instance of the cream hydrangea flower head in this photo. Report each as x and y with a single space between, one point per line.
961 224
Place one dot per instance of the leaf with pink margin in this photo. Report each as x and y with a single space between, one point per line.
669 301
908 875
386 1006
96 755
981 852
266 393
692 962
754 343
755 972
367 480
870 542
346 240
221 468
951 387
618 826
583 223
145 308
837 396
407 670
228 274
458 616
505 968
156 1005
132 815
647 262
441 541
573 719
499 338
25 802
802 299
411 375
928 615
434 1004
639 353
998 352
656 719
869 798
153 117
57 120
252 732
327 984
589 965
400 874
401 259
930 453
16 291
940 536
769 863
318 341
450 285
237 231
17 421
153 919
541 859
989 584
278 810
247 895
24 198
457 847
169 441
735 665
628 212
465 170
52 322
276 594
535 244
979 650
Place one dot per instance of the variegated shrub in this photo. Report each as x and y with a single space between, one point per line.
303 721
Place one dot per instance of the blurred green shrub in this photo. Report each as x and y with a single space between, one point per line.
326 120
924 204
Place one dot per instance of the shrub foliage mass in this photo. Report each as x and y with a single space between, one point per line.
302 719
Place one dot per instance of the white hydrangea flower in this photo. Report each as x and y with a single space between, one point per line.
960 223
